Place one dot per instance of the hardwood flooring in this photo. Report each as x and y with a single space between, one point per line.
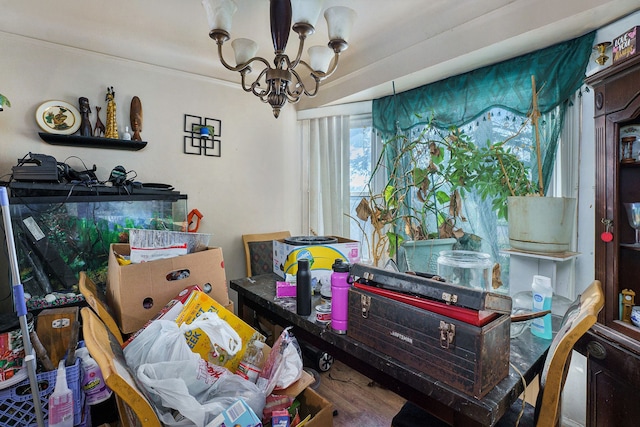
358 400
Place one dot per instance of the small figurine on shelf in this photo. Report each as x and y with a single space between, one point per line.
126 135
85 110
136 118
98 130
112 125
4 101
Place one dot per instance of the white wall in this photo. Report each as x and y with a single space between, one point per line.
254 187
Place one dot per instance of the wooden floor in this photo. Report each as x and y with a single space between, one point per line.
358 401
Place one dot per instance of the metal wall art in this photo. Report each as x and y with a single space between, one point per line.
202 136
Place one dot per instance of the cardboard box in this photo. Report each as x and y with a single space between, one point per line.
137 292
237 415
625 45
321 409
321 257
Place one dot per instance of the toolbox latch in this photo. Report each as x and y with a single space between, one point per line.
365 300
447 334
449 298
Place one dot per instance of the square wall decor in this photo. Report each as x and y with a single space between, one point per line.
202 136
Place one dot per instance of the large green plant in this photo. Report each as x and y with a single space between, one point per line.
426 177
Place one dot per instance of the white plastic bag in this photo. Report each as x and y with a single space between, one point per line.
185 388
194 392
283 367
151 344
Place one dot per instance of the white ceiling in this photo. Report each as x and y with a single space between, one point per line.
408 42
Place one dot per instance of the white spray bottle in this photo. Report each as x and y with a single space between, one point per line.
542 294
61 401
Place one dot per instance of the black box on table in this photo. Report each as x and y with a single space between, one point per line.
459 336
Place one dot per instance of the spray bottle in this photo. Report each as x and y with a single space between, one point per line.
542 294
99 396
61 401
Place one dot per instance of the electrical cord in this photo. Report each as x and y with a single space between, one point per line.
524 393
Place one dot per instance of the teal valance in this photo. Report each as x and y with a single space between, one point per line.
558 70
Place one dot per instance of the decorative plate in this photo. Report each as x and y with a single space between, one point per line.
58 117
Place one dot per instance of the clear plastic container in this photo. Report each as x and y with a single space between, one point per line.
466 268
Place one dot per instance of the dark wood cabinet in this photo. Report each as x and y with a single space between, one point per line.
612 346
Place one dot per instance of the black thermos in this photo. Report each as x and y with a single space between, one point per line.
303 288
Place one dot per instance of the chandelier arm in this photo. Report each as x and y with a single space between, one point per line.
301 87
296 61
225 63
261 93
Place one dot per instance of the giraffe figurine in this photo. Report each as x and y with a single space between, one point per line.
99 129
112 126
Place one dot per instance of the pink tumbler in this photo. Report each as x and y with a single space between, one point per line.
339 296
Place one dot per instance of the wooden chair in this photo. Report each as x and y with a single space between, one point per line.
97 302
101 333
134 407
579 318
258 251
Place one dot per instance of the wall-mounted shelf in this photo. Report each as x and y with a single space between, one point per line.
524 265
92 142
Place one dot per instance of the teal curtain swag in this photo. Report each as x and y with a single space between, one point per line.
558 70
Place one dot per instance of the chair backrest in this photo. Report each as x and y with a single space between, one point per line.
258 251
96 301
581 316
134 407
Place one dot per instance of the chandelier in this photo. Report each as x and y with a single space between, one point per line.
282 82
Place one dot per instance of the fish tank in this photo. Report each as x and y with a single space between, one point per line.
57 237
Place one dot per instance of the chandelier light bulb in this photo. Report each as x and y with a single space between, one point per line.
219 13
320 58
340 20
306 11
244 50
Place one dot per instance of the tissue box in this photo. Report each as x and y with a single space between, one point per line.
237 415
285 289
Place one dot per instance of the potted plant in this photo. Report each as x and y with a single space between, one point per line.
418 207
428 174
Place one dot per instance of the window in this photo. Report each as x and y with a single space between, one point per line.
364 149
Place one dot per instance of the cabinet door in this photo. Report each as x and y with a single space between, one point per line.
613 378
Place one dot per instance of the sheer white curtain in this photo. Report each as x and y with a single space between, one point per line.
326 174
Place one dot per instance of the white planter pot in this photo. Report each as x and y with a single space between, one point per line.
422 255
541 224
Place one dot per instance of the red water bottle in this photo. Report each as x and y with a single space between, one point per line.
340 296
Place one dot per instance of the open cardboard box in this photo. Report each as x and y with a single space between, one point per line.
137 292
320 409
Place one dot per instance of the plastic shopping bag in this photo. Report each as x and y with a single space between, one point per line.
151 345
283 367
186 389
